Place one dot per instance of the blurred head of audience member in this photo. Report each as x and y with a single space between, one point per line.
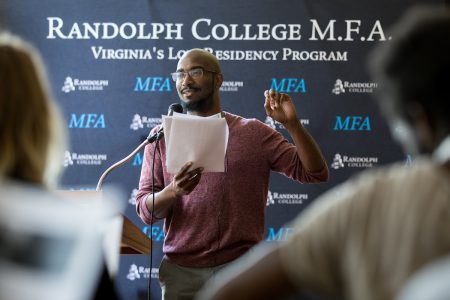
31 131
365 238
45 251
413 72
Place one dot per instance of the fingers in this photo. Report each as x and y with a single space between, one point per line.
183 170
267 107
189 177
273 99
185 181
190 183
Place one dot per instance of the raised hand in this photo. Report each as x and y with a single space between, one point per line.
280 107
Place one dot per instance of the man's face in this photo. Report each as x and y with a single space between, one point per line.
197 93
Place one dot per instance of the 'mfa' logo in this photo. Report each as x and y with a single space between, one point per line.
152 84
87 121
289 85
352 123
280 235
156 234
137 160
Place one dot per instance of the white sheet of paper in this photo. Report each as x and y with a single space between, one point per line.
197 139
167 123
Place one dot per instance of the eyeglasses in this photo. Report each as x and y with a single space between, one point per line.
194 73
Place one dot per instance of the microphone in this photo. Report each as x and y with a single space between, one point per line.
156 136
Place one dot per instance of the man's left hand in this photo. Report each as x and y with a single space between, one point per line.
280 107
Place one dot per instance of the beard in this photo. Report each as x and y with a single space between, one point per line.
201 105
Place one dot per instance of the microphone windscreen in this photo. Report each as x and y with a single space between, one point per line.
174 107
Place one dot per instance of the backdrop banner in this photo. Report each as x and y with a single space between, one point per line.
109 64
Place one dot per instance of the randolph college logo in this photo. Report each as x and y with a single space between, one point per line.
140 122
285 198
72 158
231 86
342 161
140 272
277 125
73 84
340 87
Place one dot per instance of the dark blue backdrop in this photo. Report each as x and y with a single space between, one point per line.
109 63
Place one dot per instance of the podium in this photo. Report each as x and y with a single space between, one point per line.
132 239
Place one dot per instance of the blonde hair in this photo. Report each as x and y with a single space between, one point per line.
31 131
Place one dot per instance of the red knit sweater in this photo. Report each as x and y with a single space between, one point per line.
224 215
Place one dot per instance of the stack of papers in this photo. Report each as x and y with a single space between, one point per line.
202 140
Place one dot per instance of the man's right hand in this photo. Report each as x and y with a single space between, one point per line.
185 181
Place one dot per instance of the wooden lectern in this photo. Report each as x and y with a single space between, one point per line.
134 241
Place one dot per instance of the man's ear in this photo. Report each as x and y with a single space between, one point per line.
423 125
219 80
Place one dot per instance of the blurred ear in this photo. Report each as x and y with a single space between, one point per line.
219 80
424 127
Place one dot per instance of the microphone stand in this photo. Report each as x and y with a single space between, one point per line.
148 140
119 163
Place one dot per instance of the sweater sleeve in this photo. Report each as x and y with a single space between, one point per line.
283 158
146 186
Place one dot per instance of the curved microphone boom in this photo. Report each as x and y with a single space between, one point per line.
175 107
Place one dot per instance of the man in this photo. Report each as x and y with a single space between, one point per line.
364 239
212 219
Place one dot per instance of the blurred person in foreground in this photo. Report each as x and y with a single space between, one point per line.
430 282
31 131
364 238
45 251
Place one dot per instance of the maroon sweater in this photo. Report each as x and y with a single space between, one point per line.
224 215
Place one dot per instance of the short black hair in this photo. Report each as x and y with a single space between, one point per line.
415 66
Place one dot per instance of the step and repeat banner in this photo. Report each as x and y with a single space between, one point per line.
109 63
